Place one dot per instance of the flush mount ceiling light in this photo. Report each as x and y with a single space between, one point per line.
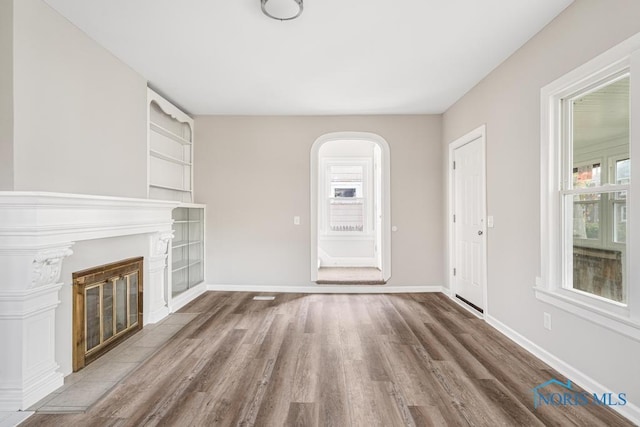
282 10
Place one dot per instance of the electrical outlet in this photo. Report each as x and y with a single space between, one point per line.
547 321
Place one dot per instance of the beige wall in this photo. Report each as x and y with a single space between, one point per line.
508 101
253 172
80 113
6 95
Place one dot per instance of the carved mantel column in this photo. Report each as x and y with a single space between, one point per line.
159 251
28 301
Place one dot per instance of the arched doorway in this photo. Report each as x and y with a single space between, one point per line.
350 201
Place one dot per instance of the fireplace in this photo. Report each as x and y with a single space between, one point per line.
107 308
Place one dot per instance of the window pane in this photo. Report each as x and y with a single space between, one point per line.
599 272
623 171
597 265
586 216
600 129
346 181
586 176
346 215
620 218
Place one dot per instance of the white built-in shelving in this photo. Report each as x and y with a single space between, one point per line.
170 142
187 248
170 177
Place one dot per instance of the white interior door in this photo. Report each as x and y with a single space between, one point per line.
469 223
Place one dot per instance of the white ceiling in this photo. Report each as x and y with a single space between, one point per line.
339 57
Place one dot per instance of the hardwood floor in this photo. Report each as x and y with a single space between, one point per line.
334 360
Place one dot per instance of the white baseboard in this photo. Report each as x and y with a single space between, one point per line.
630 411
446 291
326 289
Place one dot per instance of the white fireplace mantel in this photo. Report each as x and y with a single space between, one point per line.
37 232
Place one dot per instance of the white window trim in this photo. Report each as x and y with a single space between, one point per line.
624 319
325 189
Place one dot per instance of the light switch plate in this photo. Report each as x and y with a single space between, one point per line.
296 220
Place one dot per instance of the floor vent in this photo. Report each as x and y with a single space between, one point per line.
264 298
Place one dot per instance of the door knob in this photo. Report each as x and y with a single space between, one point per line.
480 233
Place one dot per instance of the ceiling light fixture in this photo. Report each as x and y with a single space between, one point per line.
282 10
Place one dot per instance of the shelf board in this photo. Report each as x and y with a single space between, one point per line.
162 131
183 243
181 265
162 156
166 187
186 221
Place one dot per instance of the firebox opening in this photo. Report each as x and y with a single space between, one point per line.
107 308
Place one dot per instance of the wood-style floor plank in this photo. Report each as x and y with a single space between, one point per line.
333 360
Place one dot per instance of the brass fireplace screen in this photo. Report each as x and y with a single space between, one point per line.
107 308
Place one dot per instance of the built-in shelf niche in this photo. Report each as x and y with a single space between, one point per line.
170 139
187 248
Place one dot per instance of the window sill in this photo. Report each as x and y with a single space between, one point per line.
620 324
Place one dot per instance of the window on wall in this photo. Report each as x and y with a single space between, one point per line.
346 196
587 236
346 202
596 145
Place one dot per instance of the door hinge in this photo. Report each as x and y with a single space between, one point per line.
454 165
454 217
454 271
